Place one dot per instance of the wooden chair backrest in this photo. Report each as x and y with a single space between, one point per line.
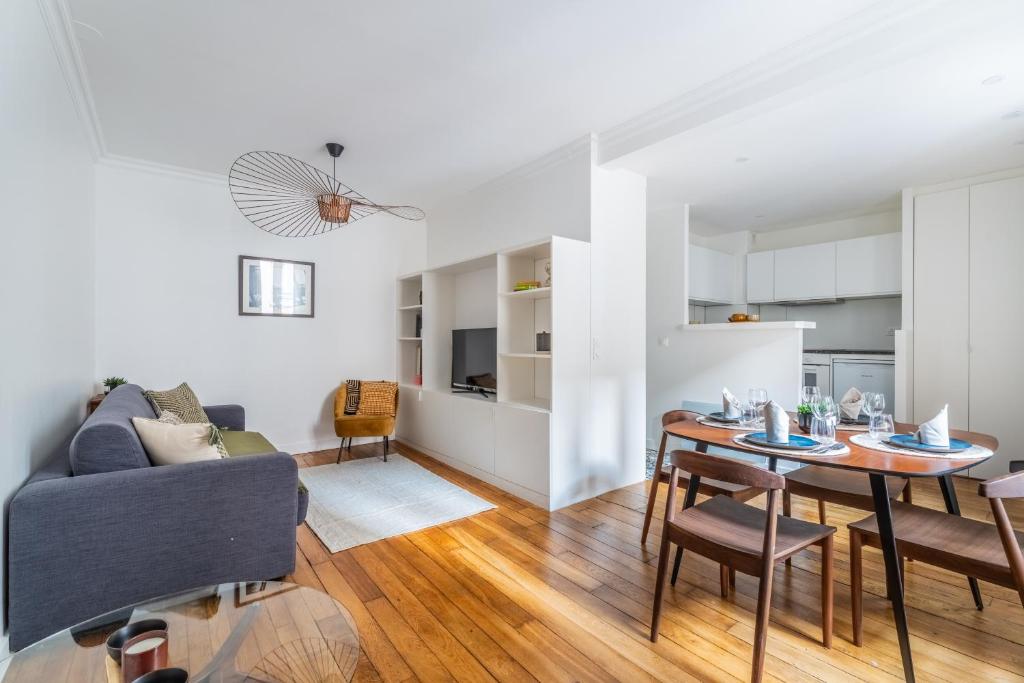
726 469
1007 486
675 416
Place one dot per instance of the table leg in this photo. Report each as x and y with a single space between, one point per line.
688 502
773 464
893 578
953 508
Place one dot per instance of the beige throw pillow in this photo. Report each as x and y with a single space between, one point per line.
175 444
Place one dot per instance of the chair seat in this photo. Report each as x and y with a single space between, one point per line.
838 486
713 487
731 524
967 546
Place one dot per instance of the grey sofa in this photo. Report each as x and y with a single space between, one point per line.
99 528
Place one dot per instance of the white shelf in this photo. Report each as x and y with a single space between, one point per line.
542 405
535 293
780 325
526 355
410 339
413 307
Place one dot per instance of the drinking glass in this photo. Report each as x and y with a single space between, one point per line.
823 430
809 395
749 416
758 398
881 427
874 403
823 407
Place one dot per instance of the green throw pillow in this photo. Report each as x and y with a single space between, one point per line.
181 401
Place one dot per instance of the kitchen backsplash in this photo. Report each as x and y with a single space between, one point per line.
861 324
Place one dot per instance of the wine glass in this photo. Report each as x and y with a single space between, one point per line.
874 403
823 407
809 395
881 427
748 417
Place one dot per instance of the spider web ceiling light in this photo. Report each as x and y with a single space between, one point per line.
290 198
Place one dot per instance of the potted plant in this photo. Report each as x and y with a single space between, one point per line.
803 417
112 383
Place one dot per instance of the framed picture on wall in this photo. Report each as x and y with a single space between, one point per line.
276 287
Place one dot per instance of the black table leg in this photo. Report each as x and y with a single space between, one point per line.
773 464
953 508
688 502
893 579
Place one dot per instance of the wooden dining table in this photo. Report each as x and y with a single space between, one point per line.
877 465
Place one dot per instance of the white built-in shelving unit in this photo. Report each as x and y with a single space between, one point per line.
410 345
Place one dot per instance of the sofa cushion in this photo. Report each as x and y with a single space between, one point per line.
177 444
181 400
107 442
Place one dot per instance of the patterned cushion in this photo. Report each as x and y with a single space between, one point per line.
170 418
377 398
181 401
351 396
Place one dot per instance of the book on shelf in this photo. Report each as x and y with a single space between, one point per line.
524 285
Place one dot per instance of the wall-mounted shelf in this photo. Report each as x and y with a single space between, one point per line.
413 307
410 339
526 355
536 293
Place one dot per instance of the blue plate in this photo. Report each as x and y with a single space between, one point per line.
910 441
796 442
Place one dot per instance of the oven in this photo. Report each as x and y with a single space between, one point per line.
817 372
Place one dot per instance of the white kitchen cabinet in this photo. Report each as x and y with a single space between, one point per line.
869 266
805 273
761 277
712 274
941 305
996 373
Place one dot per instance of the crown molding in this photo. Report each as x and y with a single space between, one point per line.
849 46
586 145
57 18
153 167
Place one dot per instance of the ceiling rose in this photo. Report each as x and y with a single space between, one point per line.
290 198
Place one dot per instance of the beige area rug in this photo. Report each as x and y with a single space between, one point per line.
361 501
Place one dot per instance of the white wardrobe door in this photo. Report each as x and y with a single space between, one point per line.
997 281
941 305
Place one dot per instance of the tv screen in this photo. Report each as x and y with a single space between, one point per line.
475 359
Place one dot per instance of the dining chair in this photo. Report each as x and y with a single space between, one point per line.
990 552
741 537
708 487
842 487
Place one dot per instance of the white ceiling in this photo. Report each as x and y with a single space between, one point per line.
850 141
430 98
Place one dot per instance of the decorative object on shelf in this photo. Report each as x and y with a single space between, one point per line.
753 317
526 285
112 383
738 318
275 287
547 269
420 301
419 325
290 198
544 342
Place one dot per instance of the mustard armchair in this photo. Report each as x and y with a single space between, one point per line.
348 426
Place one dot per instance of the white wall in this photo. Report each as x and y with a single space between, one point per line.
548 197
167 303
696 364
46 191
475 293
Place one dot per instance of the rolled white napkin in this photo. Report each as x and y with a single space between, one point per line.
776 423
730 406
935 432
851 403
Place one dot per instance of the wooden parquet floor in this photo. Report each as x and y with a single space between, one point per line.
520 594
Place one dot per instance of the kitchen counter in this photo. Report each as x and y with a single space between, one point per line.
852 352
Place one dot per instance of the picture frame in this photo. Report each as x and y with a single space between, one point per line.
276 287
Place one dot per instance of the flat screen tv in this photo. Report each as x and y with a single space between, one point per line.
475 360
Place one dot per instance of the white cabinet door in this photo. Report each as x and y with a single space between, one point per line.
434 422
471 437
804 273
868 266
407 422
521 447
761 277
711 275
997 279
942 305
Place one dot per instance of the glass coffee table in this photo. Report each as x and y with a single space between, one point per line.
231 633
